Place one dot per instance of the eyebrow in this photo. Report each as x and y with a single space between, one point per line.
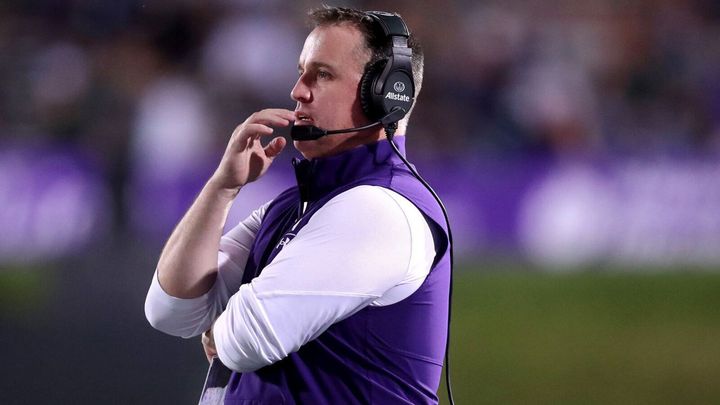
317 65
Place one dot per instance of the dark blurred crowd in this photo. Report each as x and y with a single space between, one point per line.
156 87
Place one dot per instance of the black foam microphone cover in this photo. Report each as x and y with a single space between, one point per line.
306 133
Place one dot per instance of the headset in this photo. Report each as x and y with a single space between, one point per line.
387 93
387 88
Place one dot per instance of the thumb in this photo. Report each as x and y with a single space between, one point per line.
275 147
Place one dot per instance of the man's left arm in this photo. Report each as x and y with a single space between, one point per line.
190 317
367 246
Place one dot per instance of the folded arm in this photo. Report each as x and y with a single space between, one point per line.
188 317
367 246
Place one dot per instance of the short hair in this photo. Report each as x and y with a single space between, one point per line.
375 40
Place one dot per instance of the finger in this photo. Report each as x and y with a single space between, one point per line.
251 131
275 147
210 355
259 130
281 112
273 116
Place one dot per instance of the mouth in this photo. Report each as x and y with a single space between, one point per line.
303 119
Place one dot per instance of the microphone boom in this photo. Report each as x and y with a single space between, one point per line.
311 132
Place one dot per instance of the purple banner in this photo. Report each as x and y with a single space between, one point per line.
559 215
53 203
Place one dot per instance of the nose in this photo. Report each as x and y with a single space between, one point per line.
301 91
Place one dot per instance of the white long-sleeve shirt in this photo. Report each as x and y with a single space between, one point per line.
366 246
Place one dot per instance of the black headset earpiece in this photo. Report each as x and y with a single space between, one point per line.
387 86
372 73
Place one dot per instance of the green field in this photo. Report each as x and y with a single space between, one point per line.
519 337
586 338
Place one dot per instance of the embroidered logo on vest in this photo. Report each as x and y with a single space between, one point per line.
285 240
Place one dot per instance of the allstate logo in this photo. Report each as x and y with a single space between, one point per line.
399 87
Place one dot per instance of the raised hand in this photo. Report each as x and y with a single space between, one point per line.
245 159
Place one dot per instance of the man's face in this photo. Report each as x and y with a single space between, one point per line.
331 65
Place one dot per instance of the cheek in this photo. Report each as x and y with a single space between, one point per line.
347 105
338 105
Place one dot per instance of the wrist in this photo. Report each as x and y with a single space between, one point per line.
221 191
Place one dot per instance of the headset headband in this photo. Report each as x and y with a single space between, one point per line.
391 24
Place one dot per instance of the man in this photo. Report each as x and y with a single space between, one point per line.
337 290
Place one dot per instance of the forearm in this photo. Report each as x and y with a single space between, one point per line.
188 264
190 317
325 275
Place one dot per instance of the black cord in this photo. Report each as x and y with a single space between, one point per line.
390 133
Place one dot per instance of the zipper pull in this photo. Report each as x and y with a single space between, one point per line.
303 172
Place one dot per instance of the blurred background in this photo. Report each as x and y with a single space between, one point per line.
575 143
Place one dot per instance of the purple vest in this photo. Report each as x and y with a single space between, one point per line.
380 355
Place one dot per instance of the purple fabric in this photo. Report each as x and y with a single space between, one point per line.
380 355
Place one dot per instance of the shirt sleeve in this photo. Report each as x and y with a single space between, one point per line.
191 317
366 246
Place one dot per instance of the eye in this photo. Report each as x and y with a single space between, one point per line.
323 74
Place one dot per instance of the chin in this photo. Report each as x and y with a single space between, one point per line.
310 149
325 146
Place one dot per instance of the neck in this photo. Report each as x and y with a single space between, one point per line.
361 140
